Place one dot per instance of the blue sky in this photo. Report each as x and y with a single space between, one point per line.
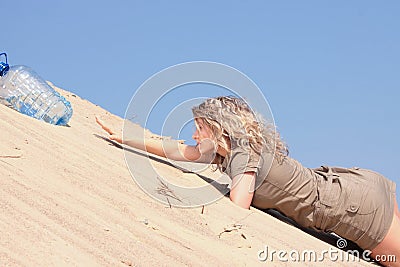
329 69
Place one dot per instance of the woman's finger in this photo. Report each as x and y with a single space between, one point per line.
105 128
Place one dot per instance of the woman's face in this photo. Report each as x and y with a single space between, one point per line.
205 139
202 132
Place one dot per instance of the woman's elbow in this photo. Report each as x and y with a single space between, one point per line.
243 203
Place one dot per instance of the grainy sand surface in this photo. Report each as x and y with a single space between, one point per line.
67 198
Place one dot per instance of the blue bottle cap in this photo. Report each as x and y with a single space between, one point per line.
4 67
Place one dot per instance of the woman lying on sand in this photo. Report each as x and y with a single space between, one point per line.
356 204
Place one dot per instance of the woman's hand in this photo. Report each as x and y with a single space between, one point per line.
207 147
113 135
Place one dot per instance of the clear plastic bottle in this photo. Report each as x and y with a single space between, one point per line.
25 91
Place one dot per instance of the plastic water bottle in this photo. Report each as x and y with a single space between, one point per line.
25 91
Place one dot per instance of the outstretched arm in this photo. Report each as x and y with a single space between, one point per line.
170 149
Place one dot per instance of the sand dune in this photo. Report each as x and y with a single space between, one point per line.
68 199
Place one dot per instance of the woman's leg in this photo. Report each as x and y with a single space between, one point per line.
390 246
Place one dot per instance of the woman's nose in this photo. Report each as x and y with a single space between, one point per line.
195 136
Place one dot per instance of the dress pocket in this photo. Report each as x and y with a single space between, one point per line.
360 198
344 194
329 197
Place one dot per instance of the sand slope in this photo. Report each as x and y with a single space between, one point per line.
68 199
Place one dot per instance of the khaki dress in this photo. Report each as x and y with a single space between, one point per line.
356 204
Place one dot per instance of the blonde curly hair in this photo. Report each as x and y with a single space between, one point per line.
231 119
